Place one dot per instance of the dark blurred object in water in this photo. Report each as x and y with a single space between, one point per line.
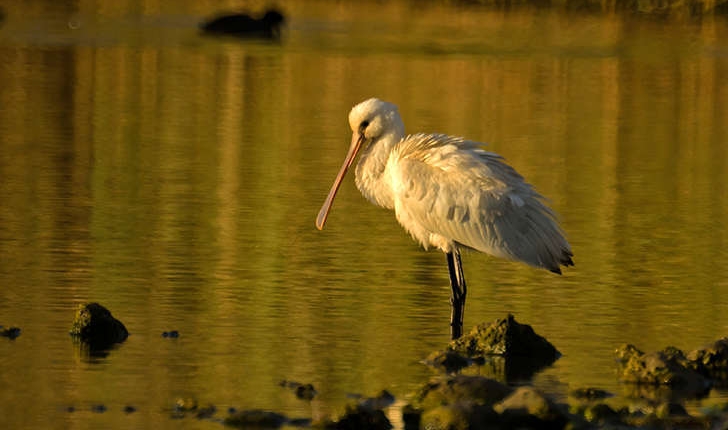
10 332
241 25
95 326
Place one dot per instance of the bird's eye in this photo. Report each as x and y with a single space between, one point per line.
364 124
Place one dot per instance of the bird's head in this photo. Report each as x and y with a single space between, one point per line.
370 121
373 118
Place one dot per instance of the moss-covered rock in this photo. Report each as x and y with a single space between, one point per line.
95 326
668 367
448 390
711 361
526 407
511 350
462 415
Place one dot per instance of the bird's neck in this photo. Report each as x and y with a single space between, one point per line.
370 177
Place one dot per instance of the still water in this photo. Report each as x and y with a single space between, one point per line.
175 179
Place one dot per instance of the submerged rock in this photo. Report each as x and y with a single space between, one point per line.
95 326
513 350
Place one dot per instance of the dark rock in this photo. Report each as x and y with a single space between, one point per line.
241 25
505 337
668 367
302 391
453 389
462 415
527 407
514 350
10 332
255 418
359 417
95 326
711 361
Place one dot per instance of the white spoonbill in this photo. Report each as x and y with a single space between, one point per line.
450 194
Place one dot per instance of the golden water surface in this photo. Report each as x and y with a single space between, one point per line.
175 179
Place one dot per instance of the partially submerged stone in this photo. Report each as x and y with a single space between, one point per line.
460 416
668 367
526 407
448 390
514 348
95 326
466 402
457 402
711 361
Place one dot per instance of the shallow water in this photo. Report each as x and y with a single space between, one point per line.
175 179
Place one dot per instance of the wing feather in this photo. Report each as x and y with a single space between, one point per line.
450 192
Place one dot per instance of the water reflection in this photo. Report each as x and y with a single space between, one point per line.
176 180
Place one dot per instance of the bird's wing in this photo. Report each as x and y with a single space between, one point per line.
450 188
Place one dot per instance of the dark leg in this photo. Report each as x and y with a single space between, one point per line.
459 291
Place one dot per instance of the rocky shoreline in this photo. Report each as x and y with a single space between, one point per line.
459 397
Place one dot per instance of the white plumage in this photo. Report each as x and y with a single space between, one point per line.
449 193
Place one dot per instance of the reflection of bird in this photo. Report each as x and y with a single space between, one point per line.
450 194
241 25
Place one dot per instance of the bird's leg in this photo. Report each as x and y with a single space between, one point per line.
459 291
